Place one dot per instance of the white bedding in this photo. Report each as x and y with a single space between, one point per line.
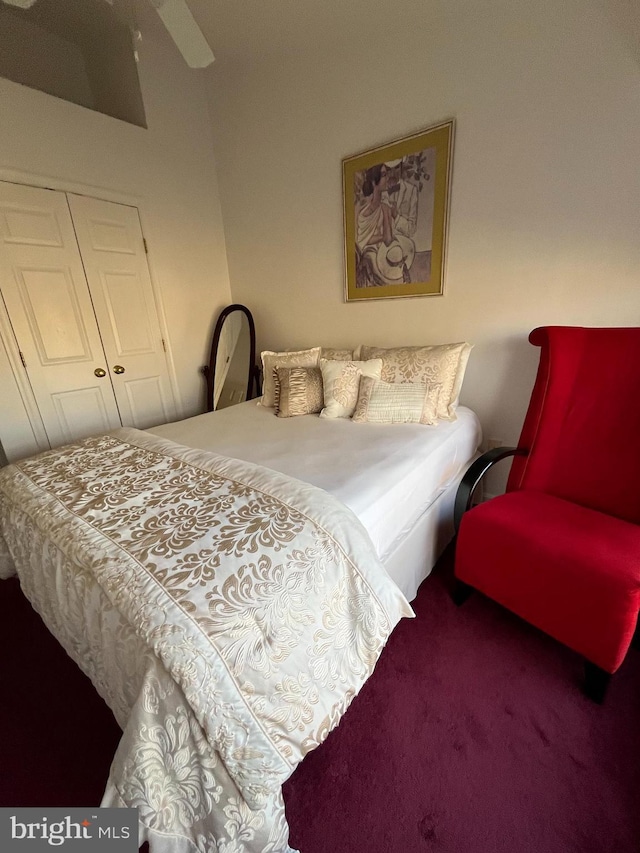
387 474
227 613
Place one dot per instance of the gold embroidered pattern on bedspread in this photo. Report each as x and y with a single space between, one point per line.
261 596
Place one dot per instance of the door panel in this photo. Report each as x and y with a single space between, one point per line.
146 399
54 315
78 407
106 235
124 300
43 284
28 226
115 262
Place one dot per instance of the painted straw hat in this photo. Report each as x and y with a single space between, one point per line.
391 260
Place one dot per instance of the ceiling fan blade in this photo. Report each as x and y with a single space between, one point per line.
185 32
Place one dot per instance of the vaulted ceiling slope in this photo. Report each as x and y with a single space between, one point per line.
243 33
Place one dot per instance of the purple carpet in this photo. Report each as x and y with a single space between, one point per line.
472 736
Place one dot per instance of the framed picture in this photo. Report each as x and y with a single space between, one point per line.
396 201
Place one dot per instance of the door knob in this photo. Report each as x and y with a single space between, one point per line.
99 372
118 368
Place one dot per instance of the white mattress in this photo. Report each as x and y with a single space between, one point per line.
388 474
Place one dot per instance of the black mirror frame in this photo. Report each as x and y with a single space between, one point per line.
209 370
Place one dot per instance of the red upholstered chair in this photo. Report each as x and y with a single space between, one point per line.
561 548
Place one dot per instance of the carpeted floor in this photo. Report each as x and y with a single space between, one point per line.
472 736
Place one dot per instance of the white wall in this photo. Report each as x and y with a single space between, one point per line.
545 207
167 170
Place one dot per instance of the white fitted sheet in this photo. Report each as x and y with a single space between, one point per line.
388 474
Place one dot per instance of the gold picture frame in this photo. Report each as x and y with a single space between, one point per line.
396 207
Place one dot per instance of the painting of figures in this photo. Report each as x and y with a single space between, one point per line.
396 200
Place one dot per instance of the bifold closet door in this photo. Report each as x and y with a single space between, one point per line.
115 262
45 291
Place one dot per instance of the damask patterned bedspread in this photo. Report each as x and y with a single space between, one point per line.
227 613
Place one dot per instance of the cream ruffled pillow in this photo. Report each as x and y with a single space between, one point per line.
386 403
271 360
442 364
340 380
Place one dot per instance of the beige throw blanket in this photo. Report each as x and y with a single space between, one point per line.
227 613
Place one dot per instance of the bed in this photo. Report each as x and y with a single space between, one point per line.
399 479
228 583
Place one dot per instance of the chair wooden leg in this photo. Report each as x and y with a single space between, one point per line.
596 681
460 592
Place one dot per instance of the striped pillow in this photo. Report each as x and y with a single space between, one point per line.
271 360
299 391
396 403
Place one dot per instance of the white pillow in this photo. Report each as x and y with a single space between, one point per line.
271 360
396 403
340 381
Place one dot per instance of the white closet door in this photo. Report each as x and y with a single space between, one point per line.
45 292
115 261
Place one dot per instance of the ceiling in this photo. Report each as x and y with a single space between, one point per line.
240 31
243 32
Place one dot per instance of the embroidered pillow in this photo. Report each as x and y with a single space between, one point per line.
300 391
396 403
340 381
271 360
443 364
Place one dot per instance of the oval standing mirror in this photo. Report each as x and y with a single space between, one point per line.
231 373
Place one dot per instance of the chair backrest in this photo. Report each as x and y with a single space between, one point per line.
582 428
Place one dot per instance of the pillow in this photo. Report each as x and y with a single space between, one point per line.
271 360
396 403
443 364
336 354
300 391
340 380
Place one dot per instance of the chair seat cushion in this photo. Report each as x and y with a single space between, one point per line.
571 571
